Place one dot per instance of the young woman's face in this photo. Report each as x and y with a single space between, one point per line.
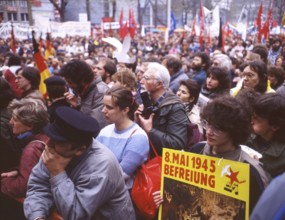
272 79
22 82
183 93
216 137
279 62
212 82
111 111
251 78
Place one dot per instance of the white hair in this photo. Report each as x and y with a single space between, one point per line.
160 72
224 60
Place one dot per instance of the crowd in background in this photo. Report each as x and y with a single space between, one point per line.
209 100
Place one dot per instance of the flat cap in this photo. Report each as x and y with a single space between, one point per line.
72 125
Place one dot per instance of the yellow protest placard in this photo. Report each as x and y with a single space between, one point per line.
196 186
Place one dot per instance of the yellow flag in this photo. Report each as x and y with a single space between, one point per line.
283 19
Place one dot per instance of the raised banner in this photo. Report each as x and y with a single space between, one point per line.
196 186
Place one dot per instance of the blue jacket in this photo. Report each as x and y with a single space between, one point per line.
271 204
175 80
200 77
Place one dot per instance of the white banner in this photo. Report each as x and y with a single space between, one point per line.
71 28
57 29
114 25
21 31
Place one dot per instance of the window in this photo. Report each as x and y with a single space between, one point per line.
12 16
23 3
24 17
106 9
11 3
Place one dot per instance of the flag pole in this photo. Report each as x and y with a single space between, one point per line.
168 14
166 35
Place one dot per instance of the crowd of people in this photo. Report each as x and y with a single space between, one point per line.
76 148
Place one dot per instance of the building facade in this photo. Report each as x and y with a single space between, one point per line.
17 11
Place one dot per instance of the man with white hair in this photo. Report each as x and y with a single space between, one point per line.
164 118
223 61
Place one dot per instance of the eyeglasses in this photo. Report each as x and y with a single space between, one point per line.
145 77
248 75
205 125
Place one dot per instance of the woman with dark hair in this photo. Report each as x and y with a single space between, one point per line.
217 84
255 77
188 92
280 61
276 76
126 139
227 126
28 80
268 124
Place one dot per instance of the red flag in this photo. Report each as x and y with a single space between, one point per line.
258 22
123 27
132 23
258 18
41 65
202 27
13 47
266 25
193 30
226 29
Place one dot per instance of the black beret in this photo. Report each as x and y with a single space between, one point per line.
54 81
72 125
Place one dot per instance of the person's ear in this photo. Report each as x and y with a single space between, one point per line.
79 151
159 83
126 110
191 99
274 128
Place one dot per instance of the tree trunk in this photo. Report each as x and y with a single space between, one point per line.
88 9
29 5
61 16
114 9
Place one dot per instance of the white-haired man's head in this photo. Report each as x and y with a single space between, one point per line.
160 72
222 61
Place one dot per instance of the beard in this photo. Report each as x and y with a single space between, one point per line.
196 67
275 48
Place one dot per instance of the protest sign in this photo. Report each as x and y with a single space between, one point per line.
196 186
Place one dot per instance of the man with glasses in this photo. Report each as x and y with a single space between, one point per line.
167 123
77 174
